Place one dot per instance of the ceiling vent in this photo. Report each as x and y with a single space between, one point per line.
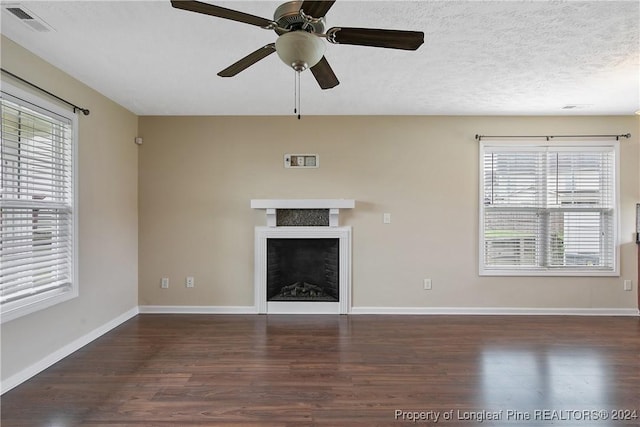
28 18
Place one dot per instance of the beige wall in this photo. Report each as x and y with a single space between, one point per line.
198 174
108 227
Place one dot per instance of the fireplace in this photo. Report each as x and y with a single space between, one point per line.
302 268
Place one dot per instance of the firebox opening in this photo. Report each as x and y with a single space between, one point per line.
303 270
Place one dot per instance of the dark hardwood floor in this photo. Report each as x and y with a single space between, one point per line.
242 370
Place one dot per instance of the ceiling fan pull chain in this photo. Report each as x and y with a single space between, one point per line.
295 93
298 90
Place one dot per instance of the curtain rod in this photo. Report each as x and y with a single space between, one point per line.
548 137
75 107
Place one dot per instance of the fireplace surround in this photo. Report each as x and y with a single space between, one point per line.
301 268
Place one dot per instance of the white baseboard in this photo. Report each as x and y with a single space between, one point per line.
497 311
63 352
460 311
195 309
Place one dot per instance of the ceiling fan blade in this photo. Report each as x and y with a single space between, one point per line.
324 74
393 39
220 12
316 9
248 60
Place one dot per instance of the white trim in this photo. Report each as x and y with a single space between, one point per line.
302 203
497 311
461 311
65 351
197 309
549 272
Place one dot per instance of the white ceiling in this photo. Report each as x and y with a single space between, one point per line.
479 57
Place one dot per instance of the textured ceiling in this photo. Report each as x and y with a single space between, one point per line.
479 57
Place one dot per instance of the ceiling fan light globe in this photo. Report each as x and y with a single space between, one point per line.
300 50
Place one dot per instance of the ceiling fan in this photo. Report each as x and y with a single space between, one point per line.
300 26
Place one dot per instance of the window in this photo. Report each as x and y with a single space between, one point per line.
548 209
37 205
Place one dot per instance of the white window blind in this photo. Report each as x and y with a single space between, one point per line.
37 208
548 209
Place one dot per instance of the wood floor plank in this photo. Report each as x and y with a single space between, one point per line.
257 370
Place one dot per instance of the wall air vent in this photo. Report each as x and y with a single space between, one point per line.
28 18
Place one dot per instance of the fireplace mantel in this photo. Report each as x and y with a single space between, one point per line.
333 205
303 203
307 228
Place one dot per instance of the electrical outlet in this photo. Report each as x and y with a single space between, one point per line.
426 284
386 218
164 283
190 282
627 285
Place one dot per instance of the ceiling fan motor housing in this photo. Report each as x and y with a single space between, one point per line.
288 16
